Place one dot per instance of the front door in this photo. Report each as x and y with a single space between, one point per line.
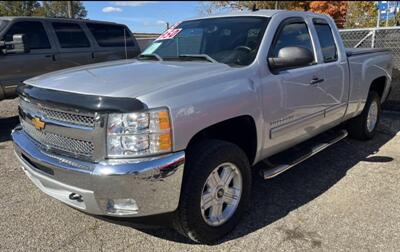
41 59
292 108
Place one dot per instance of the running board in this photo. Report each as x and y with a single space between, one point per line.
285 160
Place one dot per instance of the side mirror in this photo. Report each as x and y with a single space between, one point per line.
19 44
293 56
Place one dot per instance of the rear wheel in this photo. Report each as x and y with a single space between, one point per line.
215 191
363 127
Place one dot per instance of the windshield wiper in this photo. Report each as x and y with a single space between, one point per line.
197 56
150 56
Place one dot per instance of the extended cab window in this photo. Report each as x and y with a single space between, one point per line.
33 30
110 35
2 24
292 34
70 35
326 41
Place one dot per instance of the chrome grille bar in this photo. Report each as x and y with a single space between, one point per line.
70 117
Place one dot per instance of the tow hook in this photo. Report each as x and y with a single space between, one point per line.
75 196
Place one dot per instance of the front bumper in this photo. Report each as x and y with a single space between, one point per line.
153 183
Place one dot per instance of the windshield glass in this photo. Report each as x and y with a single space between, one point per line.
230 40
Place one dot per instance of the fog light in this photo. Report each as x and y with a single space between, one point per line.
122 206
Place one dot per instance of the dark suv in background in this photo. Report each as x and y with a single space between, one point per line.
31 46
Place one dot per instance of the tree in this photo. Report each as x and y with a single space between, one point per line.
242 5
361 14
336 9
60 9
18 8
43 8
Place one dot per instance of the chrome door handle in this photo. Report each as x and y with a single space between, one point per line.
316 80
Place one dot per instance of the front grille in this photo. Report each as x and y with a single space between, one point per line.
74 147
68 117
65 131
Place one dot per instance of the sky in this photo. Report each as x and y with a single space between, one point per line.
143 16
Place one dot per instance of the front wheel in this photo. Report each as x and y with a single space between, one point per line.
363 127
215 191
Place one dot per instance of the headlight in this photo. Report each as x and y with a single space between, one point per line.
139 134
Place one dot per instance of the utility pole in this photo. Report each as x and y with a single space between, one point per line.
378 21
387 17
69 6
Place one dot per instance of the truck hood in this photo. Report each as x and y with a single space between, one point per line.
126 78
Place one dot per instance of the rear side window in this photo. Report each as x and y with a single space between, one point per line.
293 34
2 24
70 35
326 41
110 35
34 31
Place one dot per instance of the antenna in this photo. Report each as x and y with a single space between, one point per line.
254 7
126 50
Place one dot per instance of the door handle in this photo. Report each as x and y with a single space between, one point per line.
52 56
92 54
316 80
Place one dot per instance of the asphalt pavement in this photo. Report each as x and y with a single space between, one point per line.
345 198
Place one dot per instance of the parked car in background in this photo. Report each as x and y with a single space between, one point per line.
31 46
178 129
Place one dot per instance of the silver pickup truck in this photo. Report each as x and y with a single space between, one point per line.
178 129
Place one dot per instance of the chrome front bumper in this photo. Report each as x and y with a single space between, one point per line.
154 184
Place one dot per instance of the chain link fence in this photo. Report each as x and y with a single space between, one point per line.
385 37
388 37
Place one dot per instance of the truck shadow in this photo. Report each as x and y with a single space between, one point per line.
274 199
6 126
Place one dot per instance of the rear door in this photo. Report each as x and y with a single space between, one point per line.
334 89
41 59
113 42
74 46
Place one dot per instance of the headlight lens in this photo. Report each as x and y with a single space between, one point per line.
139 134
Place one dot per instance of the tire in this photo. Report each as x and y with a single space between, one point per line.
201 161
358 127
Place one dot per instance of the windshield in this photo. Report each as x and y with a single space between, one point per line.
230 40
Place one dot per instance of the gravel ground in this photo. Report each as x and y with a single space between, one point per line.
345 198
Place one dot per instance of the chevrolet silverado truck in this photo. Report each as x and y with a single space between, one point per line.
176 131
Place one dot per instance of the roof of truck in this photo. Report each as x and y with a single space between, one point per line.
259 13
9 18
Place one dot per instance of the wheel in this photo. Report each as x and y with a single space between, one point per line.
215 191
363 127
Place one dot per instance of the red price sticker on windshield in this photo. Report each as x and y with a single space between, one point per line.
170 33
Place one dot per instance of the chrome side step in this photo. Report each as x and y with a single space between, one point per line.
284 161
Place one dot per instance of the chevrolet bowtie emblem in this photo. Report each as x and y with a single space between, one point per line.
39 124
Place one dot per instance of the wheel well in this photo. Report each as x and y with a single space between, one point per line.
378 85
239 130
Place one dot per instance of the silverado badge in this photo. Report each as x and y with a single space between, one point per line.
38 123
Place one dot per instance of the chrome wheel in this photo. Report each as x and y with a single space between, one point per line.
221 194
372 117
